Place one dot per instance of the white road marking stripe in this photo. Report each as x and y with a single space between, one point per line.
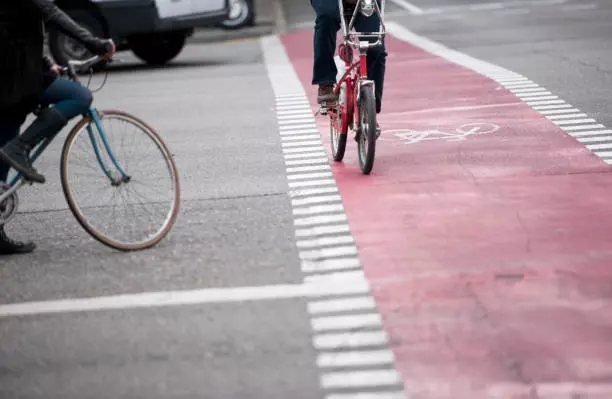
365 378
520 91
575 121
348 340
332 323
291 101
318 154
307 143
302 111
590 133
606 154
312 191
322 230
368 395
547 102
539 98
316 220
312 183
314 168
191 297
294 129
316 200
594 139
303 176
303 116
341 305
297 132
411 8
311 210
329 252
485 7
288 139
280 108
346 276
520 85
538 94
322 160
296 95
326 241
513 80
329 265
293 121
596 147
558 111
303 150
559 106
567 116
584 127
353 359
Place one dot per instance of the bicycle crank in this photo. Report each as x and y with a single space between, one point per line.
8 207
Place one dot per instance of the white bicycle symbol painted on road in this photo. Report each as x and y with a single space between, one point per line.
409 136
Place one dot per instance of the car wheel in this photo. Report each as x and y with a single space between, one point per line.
64 48
158 49
242 13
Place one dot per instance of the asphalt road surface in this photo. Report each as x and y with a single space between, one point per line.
216 107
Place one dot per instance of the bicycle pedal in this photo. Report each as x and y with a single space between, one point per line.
323 110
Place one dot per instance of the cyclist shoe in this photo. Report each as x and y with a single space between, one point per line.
9 246
17 151
326 94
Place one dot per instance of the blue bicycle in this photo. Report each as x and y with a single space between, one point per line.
117 174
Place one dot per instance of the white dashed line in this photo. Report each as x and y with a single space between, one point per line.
327 250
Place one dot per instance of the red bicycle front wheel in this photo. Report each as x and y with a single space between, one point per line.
338 122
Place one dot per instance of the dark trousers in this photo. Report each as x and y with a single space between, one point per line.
326 28
68 97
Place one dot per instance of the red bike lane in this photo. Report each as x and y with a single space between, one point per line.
484 231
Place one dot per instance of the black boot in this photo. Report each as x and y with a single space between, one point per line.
17 151
11 247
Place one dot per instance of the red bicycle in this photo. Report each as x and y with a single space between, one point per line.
356 105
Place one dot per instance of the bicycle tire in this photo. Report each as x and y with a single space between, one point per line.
338 137
76 211
367 129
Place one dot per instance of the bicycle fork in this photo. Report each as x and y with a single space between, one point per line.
124 178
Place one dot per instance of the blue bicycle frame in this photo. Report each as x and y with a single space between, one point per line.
17 180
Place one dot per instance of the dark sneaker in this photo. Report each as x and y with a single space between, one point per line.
9 246
326 94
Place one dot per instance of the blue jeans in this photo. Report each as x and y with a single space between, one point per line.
327 25
68 97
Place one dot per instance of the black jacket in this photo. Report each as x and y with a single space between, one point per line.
21 46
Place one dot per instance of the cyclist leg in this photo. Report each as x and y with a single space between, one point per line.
10 122
377 56
327 24
70 99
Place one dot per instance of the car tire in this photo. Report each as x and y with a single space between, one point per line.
64 48
158 48
242 14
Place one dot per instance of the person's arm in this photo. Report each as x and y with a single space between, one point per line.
61 21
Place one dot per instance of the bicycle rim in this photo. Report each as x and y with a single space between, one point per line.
367 127
130 217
